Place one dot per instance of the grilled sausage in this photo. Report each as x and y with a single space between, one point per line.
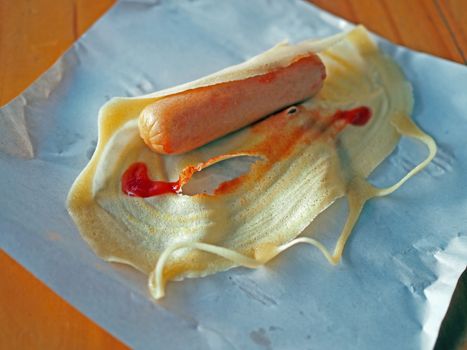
182 122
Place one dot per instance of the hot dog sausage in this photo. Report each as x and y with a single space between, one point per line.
182 122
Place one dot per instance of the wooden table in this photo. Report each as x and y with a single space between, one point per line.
33 34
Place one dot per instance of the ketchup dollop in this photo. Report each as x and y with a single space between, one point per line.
136 181
357 116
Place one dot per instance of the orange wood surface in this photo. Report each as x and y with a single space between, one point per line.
34 33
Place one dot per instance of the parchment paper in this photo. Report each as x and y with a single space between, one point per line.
400 267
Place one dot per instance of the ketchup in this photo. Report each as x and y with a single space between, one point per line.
357 116
136 183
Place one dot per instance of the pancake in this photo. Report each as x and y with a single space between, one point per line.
307 156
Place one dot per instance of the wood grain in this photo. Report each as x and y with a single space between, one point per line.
454 13
34 33
33 317
437 27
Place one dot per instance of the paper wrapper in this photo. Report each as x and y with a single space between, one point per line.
400 266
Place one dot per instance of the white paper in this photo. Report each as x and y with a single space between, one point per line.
400 267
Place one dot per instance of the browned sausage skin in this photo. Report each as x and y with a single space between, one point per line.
187 120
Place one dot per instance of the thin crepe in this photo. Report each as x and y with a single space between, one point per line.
305 163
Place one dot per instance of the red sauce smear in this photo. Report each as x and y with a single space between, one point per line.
357 116
136 183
